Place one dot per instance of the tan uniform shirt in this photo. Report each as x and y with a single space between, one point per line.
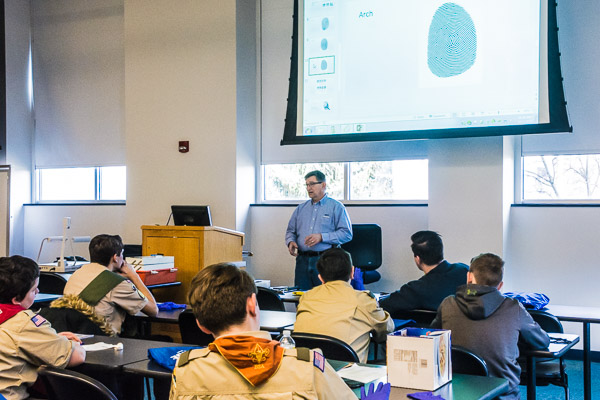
209 376
124 298
336 309
27 341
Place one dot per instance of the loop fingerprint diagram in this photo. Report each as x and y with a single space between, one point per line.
452 42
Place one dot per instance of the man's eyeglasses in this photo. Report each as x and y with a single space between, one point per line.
311 184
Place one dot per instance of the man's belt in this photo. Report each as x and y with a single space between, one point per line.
311 253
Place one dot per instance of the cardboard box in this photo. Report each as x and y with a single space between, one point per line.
419 358
154 270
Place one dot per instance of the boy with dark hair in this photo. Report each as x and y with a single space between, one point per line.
440 278
243 362
108 287
336 309
26 339
487 323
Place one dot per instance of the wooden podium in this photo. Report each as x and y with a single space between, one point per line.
194 247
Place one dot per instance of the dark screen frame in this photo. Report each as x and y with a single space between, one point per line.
559 120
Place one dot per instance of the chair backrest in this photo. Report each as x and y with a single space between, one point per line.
269 300
365 246
547 321
190 333
64 384
51 283
70 320
331 347
466 362
422 318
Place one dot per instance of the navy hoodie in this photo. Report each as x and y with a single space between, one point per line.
484 321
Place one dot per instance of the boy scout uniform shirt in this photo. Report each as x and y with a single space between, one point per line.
336 309
27 341
207 375
124 298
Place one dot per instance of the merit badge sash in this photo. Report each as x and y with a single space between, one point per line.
7 311
254 358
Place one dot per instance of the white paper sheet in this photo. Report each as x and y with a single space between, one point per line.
362 374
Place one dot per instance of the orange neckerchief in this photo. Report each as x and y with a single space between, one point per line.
255 358
7 311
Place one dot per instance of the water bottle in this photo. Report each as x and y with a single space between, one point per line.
286 340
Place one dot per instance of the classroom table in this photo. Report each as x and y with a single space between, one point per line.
554 350
290 297
462 387
272 321
134 350
43 298
587 316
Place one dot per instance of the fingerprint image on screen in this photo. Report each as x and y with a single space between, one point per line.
452 42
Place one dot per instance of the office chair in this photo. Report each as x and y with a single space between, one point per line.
64 384
331 347
190 333
365 248
51 283
547 371
466 362
422 318
70 320
268 299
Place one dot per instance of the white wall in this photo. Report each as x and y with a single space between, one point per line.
44 221
180 84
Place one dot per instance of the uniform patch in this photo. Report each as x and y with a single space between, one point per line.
319 361
141 294
38 320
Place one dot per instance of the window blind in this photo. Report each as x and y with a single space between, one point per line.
78 82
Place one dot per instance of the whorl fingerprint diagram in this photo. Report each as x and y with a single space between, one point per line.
452 47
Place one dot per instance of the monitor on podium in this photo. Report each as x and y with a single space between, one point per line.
191 215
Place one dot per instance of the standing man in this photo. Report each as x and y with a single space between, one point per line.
315 226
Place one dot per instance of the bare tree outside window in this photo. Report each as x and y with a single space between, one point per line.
561 177
369 180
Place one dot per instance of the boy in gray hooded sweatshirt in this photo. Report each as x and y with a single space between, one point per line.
487 323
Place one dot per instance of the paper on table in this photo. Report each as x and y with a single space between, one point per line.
362 374
83 336
101 346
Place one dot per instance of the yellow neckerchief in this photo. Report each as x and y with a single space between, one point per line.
256 359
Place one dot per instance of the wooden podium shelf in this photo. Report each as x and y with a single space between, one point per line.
194 247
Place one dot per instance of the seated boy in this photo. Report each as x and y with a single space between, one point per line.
108 286
243 362
336 309
484 321
26 339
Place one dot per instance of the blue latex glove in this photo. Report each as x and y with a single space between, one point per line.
424 396
169 305
381 393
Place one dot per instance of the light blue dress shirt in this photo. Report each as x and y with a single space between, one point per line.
327 217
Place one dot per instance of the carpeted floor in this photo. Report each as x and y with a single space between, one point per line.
575 373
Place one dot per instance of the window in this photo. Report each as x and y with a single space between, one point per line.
81 184
398 180
561 177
